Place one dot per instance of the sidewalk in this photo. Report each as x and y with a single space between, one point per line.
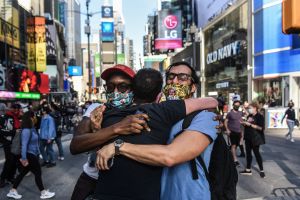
281 159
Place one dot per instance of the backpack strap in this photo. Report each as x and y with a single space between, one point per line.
203 165
185 124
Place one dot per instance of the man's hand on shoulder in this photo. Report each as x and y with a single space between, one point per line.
132 124
97 117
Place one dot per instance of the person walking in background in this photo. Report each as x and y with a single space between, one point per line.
254 137
56 115
29 158
47 135
7 132
233 128
290 120
221 103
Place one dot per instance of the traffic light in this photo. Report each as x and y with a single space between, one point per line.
291 16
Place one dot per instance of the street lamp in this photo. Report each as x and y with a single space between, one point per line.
87 30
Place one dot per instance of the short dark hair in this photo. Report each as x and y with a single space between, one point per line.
26 119
195 78
147 84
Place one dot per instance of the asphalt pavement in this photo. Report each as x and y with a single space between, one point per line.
281 165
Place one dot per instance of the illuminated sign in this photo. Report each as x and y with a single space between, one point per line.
107 11
169 30
75 71
107 30
36 43
19 95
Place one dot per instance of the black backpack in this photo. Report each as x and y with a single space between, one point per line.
221 175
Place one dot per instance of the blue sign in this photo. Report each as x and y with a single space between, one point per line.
107 31
75 70
107 11
62 13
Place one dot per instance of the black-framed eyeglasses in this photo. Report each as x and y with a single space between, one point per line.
121 87
180 76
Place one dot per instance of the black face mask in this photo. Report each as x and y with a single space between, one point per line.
236 108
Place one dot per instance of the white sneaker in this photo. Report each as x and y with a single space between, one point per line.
14 194
46 194
287 137
292 140
61 158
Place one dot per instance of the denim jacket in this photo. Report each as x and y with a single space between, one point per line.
47 129
30 142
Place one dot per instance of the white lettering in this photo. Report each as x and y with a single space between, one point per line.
222 53
170 35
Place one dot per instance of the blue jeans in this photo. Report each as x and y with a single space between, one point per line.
49 151
291 125
59 146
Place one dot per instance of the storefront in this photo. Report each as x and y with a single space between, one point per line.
276 59
226 54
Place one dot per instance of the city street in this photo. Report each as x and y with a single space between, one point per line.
281 163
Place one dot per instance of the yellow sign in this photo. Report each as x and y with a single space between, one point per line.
40 44
9 34
36 44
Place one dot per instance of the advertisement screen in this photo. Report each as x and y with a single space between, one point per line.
75 70
107 31
22 80
169 30
107 11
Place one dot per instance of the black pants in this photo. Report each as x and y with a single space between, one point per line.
10 165
255 149
35 168
84 187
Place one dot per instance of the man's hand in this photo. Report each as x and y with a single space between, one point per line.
103 155
132 124
97 117
24 162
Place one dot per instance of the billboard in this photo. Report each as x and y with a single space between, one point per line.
22 80
169 30
9 27
209 9
75 71
97 65
121 58
107 12
107 33
36 43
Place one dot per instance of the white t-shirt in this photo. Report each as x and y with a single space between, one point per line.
90 171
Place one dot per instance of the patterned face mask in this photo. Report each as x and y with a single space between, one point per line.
119 99
177 91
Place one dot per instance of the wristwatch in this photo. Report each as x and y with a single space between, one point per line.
118 143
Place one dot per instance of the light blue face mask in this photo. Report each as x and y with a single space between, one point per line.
119 99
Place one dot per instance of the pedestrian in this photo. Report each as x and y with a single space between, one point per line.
56 115
233 128
254 138
290 120
7 132
29 158
221 103
47 136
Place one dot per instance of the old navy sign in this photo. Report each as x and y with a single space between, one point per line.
224 52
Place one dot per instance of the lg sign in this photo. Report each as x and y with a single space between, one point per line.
170 23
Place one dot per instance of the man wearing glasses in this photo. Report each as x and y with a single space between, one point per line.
197 139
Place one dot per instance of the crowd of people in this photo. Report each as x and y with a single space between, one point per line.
137 141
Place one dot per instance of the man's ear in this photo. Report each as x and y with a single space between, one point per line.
158 97
193 89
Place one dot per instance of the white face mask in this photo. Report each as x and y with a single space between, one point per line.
250 110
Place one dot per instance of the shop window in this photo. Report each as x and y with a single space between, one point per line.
272 92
